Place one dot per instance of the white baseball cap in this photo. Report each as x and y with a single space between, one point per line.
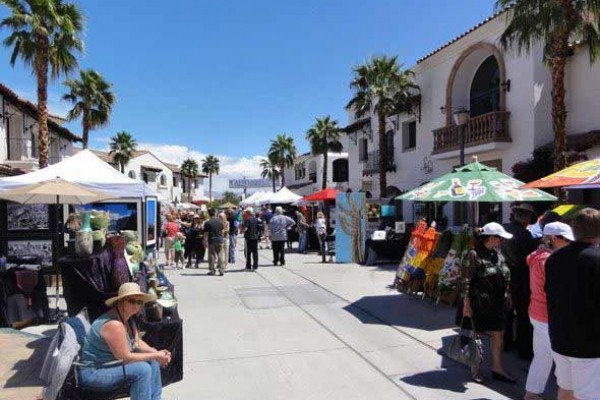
495 229
559 229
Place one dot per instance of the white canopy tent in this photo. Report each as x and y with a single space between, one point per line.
254 198
86 169
283 196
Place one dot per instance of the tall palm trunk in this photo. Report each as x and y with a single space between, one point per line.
273 180
281 168
210 199
122 168
86 129
41 69
383 161
560 52
189 189
325 166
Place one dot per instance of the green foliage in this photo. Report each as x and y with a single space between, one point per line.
210 165
324 136
44 26
269 170
92 100
282 153
536 23
122 147
382 86
189 169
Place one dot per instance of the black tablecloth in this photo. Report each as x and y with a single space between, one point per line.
384 251
167 334
13 300
87 283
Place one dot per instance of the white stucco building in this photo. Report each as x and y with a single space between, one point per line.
306 175
19 137
508 96
164 178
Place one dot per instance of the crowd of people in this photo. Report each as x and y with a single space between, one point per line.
538 291
187 237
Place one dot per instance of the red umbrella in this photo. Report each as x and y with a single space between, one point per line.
323 195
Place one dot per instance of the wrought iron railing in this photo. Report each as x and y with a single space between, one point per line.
371 164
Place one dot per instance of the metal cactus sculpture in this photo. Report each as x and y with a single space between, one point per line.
351 216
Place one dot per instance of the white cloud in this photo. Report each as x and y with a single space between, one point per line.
230 167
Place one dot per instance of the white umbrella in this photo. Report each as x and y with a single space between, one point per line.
57 191
284 196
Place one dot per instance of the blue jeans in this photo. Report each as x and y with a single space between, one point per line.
231 254
302 242
143 375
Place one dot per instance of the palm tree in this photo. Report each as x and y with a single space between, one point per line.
189 168
269 170
324 136
210 166
381 86
555 25
92 99
122 147
282 153
44 34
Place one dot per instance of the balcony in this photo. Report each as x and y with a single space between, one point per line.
483 129
371 164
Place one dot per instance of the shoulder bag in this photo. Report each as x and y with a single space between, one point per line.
467 348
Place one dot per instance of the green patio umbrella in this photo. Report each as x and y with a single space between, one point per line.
475 182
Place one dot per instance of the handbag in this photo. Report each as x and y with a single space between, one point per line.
467 348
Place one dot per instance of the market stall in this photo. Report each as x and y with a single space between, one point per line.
432 259
96 245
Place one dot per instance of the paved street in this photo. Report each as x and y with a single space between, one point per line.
315 331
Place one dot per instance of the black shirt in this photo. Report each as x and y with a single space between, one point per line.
251 228
573 294
214 228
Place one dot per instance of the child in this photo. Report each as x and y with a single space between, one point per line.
178 246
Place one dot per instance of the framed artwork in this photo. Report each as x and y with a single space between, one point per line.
30 252
27 217
151 220
123 216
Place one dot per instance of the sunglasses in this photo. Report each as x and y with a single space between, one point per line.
136 302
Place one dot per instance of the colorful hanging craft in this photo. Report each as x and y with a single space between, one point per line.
435 262
411 250
450 271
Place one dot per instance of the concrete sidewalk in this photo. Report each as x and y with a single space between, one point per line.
316 331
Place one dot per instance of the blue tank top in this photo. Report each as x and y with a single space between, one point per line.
95 348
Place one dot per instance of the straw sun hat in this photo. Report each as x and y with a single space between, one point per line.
130 289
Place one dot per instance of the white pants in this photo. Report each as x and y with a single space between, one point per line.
541 365
579 375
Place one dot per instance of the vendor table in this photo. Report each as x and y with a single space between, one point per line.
14 306
166 334
87 283
384 251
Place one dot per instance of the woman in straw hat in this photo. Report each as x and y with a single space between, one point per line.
113 336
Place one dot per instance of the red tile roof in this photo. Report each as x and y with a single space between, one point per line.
29 108
485 21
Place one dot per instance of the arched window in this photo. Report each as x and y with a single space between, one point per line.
131 174
163 180
485 89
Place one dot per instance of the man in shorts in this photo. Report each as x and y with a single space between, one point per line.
573 295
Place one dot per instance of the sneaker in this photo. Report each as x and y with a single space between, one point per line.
211 273
221 273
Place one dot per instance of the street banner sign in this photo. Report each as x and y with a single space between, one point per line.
249 183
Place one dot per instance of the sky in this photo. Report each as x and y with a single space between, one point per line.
196 77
